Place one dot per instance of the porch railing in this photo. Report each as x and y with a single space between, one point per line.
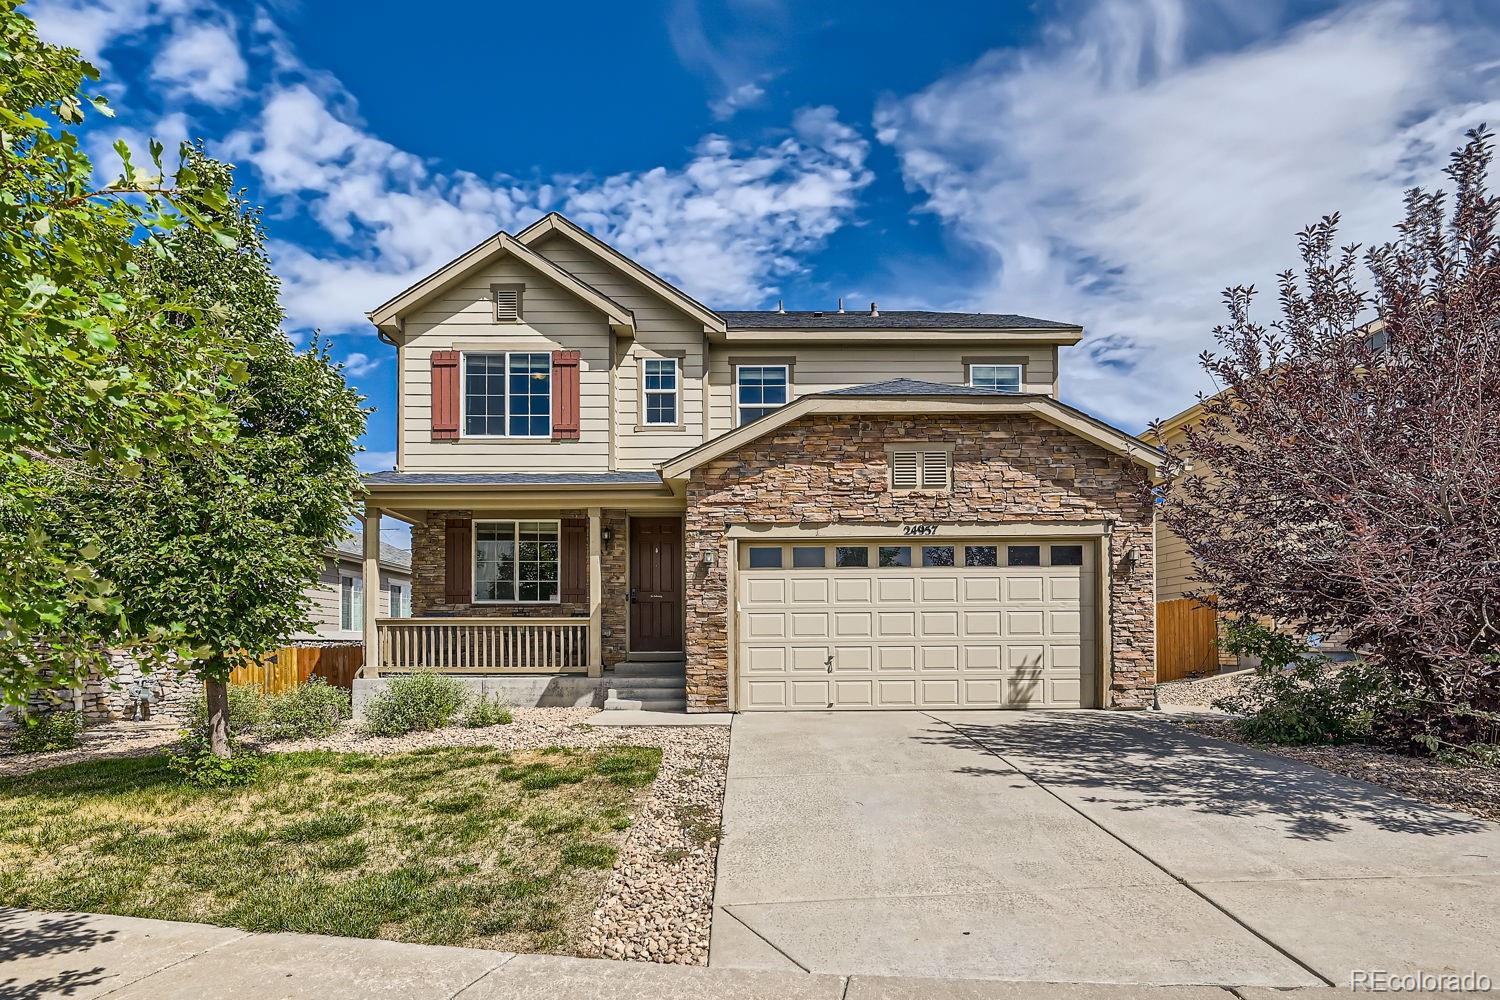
485 645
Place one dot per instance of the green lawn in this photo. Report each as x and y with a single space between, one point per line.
463 846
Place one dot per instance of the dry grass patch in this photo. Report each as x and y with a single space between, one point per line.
455 845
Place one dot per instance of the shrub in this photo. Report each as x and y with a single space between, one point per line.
487 711
194 760
39 734
415 703
1297 696
314 709
247 710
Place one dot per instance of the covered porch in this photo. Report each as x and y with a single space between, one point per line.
525 574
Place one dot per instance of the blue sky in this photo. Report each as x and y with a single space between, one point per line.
1115 163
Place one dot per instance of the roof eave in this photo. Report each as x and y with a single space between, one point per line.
1059 336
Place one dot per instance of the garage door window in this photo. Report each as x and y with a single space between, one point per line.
765 557
1067 555
807 557
895 555
1023 555
981 555
937 555
851 556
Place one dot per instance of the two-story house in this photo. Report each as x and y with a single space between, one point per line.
810 510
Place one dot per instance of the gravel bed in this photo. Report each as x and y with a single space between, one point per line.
109 739
1200 692
1474 790
658 904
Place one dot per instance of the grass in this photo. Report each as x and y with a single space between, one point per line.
461 846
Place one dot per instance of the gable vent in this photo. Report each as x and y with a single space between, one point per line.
919 469
507 300
906 470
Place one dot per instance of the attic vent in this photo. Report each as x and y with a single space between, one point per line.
507 300
919 469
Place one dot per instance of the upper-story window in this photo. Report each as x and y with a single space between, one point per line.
508 395
661 391
1006 378
759 389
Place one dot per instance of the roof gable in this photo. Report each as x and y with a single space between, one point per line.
907 396
554 223
388 314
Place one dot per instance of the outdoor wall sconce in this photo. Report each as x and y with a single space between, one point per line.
606 535
708 559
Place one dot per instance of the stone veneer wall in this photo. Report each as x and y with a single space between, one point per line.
833 469
109 699
428 593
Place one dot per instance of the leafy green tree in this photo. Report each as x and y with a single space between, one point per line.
221 545
99 371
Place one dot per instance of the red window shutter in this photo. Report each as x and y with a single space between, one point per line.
445 395
565 395
575 559
458 561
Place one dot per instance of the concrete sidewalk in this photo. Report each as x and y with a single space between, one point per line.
82 956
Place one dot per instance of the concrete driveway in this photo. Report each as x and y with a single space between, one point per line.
1082 847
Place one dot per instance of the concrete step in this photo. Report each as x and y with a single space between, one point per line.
636 705
646 694
647 681
659 668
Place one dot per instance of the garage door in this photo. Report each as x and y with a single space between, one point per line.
899 625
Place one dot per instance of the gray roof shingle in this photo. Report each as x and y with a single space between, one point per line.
915 387
513 479
770 319
353 546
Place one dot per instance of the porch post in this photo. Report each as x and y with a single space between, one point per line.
596 594
371 584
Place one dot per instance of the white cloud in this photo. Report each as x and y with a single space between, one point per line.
358 364
1124 174
727 224
201 61
736 69
744 96
376 461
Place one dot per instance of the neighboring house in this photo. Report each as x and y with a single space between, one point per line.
814 510
338 596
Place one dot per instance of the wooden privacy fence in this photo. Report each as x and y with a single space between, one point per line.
292 666
1187 639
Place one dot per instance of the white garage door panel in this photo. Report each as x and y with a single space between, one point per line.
918 637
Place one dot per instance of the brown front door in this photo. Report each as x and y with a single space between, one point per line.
655 584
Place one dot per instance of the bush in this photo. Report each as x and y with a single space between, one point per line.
487 711
1297 696
415 703
39 734
247 710
194 760
309 711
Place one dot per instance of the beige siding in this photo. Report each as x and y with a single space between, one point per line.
1174 564
823 368
325 597
662 330
462 318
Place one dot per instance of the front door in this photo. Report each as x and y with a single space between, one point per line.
655 584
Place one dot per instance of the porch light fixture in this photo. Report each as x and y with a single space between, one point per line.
708 558
606 535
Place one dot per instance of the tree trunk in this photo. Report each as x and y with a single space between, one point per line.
218 715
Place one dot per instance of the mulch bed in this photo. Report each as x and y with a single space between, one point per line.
1474 790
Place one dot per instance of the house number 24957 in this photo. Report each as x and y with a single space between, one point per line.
919 529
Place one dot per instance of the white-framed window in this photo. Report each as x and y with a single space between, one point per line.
918 468
1006 378
662 382
517 562
351 603
400 595
759 389
508 395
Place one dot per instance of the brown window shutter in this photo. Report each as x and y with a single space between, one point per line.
565 395
575 559
445 395
458 561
